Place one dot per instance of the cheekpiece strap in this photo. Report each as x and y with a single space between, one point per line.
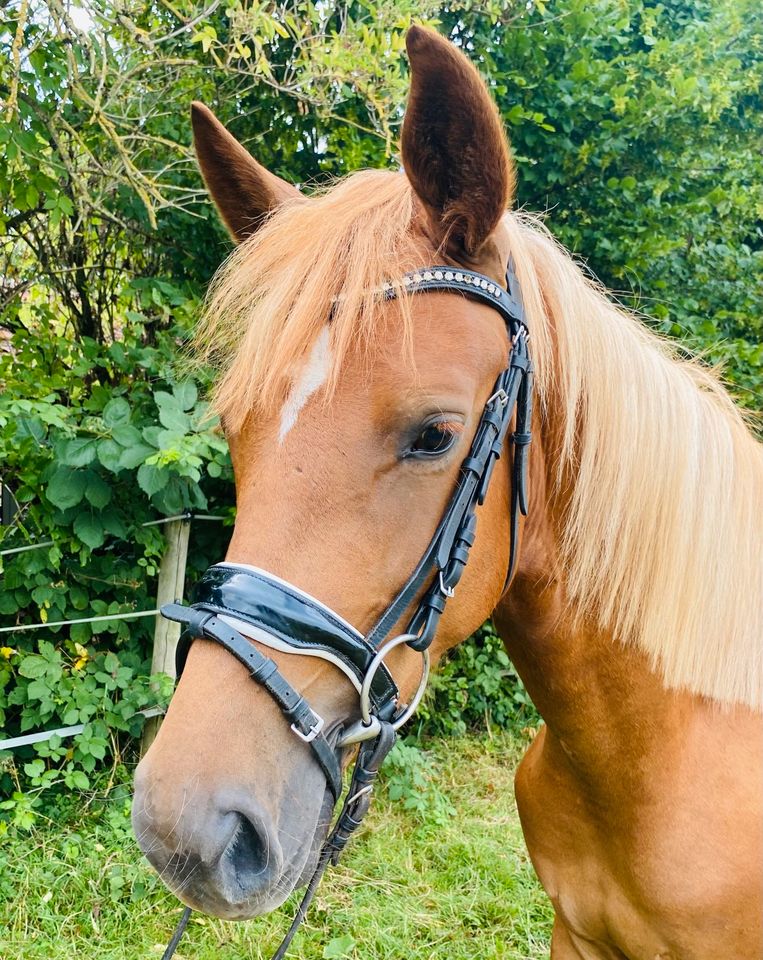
444 559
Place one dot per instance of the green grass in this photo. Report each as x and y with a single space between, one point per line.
448 878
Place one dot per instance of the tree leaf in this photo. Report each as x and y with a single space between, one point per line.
116 412
98 492
89 529
33 666
186 394
151 479
174 419
171 500
113 523
125 435
133 456
109 453
66 487
78 452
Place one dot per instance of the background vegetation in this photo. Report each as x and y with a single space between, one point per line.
636 128
426 882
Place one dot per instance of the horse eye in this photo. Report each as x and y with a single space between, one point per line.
434 440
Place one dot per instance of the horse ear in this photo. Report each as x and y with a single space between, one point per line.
454 147
244 192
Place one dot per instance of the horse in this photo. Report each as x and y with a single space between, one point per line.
634 609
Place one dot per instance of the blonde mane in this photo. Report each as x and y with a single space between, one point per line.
310 262
660 481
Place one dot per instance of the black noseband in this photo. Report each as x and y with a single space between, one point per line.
304 625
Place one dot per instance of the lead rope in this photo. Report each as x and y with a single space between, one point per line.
370 757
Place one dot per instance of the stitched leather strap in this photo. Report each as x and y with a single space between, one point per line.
304 722
447 551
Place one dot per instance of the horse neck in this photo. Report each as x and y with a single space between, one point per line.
592 692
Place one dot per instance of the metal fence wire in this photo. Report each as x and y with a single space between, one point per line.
166 634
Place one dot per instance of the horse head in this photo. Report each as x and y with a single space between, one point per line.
349 416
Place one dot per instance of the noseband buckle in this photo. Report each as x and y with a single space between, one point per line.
314 730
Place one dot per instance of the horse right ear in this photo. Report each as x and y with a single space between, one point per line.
453 145
244 192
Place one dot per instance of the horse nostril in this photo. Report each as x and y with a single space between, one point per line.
252 855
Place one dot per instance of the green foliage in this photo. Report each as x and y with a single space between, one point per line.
83 889
339 947
635 126
411 775
97 439
476 687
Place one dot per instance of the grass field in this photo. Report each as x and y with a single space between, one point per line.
448 877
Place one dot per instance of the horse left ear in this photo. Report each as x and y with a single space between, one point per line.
244 192
453 145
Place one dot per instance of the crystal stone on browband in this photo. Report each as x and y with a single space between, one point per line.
454 278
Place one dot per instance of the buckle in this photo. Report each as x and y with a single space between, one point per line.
522 333
314 730
500 395
445 590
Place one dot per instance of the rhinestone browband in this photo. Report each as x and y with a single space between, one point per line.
471 280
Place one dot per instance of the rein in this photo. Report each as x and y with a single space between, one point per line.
236 603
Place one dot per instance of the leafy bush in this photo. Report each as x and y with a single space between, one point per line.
97 439
474 688
410 776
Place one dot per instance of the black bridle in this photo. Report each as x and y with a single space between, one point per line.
235 603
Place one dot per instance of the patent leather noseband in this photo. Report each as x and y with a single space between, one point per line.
236 603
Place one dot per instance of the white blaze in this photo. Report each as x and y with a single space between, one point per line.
313 377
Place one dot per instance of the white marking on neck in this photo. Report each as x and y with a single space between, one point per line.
313 377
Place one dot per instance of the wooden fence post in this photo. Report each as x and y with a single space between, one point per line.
170 590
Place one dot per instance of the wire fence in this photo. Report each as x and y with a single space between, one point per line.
170 589
42 735
149 523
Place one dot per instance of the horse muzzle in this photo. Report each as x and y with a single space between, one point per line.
224 854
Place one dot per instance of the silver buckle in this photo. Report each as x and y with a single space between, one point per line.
313 732
501 396
522 334
446 591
